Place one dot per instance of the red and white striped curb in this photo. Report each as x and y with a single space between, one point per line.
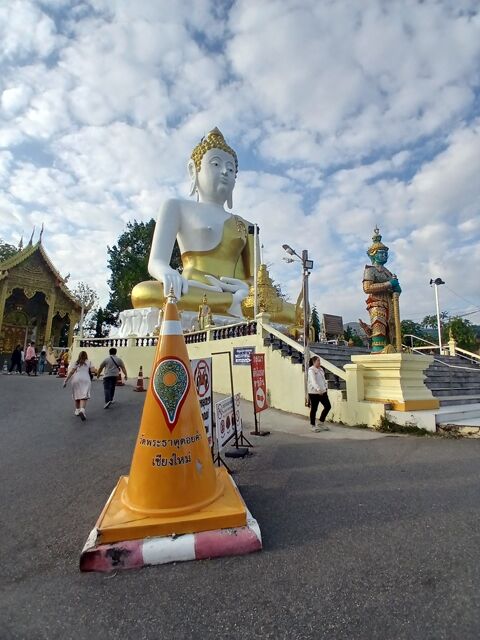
133 554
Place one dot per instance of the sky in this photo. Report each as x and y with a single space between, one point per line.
344 115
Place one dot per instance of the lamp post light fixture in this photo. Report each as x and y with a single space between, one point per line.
307 266
436 283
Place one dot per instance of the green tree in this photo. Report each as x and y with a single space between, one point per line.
463 332
430 322
6 250
350 334
315 322
102 320
409 328
128 263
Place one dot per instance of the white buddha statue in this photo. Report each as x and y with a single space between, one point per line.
216 247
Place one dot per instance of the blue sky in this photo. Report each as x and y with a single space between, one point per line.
344 115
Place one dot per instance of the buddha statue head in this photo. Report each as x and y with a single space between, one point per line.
213 169
377 252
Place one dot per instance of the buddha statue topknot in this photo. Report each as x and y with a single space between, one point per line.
216 247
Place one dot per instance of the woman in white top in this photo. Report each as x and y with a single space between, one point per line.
80 372
317 392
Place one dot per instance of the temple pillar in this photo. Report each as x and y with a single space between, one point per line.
3 298
73 321
51 308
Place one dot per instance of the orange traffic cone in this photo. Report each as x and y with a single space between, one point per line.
62 371
139 386
173 486
119 382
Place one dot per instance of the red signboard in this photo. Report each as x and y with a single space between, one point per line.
259 384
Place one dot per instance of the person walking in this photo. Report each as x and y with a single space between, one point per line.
16 360
81 373
112 365
317 393
42 362
31 359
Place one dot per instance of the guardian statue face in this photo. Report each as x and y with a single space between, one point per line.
380 257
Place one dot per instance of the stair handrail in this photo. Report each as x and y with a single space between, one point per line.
325 363
469 355
411 335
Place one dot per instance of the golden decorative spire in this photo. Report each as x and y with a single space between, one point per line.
31 238
267 296
376 243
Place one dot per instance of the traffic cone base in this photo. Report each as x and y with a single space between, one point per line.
119 523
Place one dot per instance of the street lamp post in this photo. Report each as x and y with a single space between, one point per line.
436 283
307 266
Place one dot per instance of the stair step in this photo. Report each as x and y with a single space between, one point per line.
447 401
450 414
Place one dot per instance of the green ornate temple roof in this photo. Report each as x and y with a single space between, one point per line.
23 254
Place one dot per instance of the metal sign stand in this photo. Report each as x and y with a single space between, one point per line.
237 451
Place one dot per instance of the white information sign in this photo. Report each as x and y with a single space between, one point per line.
202 377
225 425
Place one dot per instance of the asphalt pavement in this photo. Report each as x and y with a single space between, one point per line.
365 537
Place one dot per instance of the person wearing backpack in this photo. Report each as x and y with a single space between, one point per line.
112 365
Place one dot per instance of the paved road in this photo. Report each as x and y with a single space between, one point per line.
364 539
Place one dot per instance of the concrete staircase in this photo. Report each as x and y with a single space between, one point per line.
453 380
456 384
336 355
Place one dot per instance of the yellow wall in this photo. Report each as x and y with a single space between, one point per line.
397 379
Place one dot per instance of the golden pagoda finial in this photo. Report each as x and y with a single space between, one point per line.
213 140
171 295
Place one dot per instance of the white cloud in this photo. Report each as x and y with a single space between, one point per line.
344 115
25 31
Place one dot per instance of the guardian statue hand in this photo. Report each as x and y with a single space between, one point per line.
395 285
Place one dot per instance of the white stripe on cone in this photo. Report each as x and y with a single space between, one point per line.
171 328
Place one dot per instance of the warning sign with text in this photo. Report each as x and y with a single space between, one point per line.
226 416
259 384
202 377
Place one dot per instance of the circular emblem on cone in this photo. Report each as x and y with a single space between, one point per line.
170 383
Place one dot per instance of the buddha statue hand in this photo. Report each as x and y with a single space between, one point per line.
238 288
172 278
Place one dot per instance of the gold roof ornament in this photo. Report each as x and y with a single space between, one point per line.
267 296
213 140
30 242
376 243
